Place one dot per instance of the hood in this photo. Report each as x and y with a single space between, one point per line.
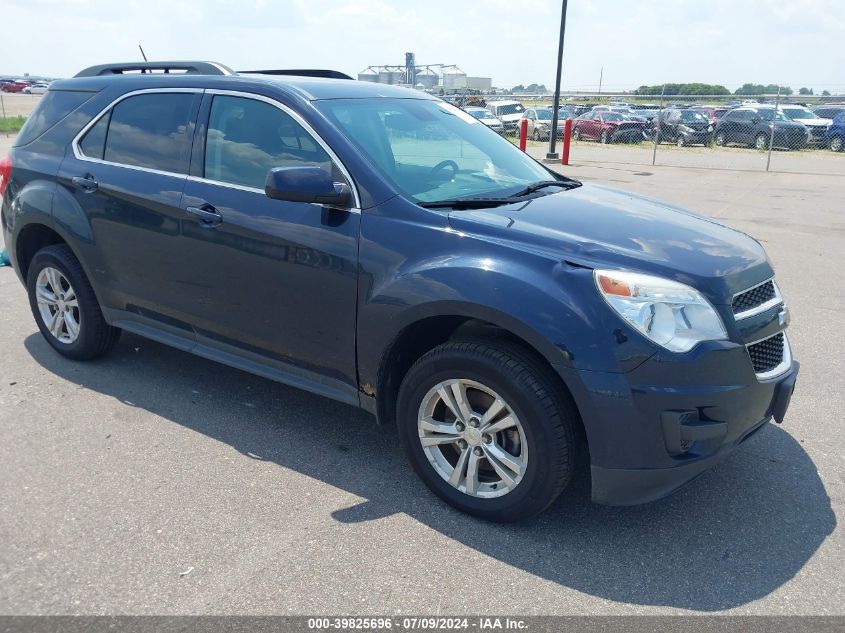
815 122
516 116
595 226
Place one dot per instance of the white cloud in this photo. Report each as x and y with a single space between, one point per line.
717 41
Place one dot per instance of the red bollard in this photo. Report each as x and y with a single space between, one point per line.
567 138
523 133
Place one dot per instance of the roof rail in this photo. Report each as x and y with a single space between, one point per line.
300 72
187 67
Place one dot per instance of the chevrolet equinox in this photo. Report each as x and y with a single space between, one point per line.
376 245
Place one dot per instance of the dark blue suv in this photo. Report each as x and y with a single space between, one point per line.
381 247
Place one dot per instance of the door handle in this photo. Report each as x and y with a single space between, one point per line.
86 183
207 214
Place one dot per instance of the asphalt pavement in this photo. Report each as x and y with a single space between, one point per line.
155 482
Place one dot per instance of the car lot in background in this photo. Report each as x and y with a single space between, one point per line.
486 117
756 126
816 125
508 112
713 113
682 127
15 86
829 110
540 124
607 127
835 134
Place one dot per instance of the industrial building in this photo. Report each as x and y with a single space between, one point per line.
429 77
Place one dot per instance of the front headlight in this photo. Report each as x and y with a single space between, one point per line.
669 313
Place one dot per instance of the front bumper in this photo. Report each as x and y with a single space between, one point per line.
698 137
658 427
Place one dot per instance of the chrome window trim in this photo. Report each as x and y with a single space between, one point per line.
306 126
785 363
77 152
771 303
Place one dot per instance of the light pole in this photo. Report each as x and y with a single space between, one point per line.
552 155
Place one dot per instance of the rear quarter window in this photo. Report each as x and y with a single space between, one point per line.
54 106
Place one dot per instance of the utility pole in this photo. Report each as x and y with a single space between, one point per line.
552 154
601 76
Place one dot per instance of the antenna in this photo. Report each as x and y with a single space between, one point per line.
142 52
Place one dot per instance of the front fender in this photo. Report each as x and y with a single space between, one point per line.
552 306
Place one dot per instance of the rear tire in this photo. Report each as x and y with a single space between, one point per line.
520 469
537 135
605 137
680 141
836 144
64 305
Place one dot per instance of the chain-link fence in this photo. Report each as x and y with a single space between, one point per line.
778 131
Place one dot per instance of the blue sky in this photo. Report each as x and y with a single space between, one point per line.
793 42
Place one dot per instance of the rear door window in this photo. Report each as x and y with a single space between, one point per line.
148 130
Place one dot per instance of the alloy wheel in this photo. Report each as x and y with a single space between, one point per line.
472 438
58 305
836 144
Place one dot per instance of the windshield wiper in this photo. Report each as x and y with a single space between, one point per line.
467 203
566 184
486 203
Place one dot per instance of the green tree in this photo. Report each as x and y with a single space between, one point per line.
683 89
825 93
805 91
760 89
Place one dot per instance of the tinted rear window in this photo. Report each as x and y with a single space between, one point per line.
151 130
54 106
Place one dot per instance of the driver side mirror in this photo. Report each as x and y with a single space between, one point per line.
306 184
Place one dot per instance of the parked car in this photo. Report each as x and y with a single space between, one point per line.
508 112
835 135
540 124
682 127
753 127
15 86
815 124
38 88
649 114
607 127
713 113
829 110
321 233
486 117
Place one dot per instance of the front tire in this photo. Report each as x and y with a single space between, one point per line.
761 142
487 428
64 306
605 137
721 139
836 144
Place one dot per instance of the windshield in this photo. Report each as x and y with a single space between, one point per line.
544 115
769 114
481 114
688 116
612 116
510 108
432 151
799 113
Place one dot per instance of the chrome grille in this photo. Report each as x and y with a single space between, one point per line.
755 299
767 354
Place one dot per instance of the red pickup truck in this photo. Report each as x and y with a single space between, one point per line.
15 86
